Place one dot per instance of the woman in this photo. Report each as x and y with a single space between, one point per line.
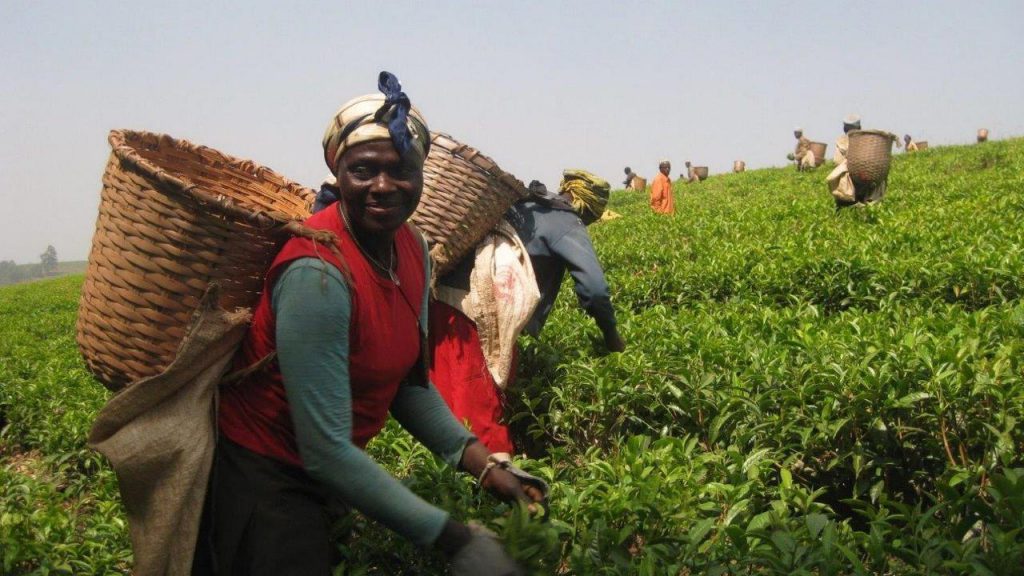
339 331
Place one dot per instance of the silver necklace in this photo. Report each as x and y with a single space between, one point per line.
389 269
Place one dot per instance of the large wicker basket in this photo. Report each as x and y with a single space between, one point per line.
464 196
818 149
639 184
922 145
174 217
701 172
869 156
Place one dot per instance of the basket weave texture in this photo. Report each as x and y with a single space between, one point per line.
174 217
818 148
701 172
465 194
869 156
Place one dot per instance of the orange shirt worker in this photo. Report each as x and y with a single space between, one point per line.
661 190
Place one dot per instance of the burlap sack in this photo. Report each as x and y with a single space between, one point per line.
159 434
840 184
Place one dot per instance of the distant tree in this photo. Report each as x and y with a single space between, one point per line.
49 261
8 271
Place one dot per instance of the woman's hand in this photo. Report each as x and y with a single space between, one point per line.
483 555
504 481
506 486
473 550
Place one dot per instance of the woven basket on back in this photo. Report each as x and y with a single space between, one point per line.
869 156
739 166
174 217
639 184
922 145
465 194
818 149
701 172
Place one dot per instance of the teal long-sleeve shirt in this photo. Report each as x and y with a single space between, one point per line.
312 309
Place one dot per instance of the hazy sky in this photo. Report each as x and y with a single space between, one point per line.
539 86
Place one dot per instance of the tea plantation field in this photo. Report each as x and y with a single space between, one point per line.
804 392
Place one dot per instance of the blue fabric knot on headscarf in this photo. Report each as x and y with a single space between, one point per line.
395 99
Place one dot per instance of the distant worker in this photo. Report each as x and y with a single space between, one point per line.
910 144
661 190
839 182
691 174
803 156
628 182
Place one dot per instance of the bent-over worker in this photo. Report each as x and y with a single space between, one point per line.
473 335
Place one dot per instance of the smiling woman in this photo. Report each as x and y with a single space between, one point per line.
380 190
340 331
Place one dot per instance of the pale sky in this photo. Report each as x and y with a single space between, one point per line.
539 86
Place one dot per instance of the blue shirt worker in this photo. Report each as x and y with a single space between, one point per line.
554 229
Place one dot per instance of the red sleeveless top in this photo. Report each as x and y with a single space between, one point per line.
384 344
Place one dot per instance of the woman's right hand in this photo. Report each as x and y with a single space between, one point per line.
482 555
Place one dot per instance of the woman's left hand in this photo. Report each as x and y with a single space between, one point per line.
510 488
504 480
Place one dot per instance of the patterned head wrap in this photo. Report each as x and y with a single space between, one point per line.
589 194
385 116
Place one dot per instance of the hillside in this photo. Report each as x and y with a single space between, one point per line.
33 272
805 392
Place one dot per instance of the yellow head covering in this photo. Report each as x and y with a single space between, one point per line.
367 118
588 192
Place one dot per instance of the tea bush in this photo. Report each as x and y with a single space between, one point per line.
805 392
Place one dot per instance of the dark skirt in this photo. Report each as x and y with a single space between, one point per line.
263 517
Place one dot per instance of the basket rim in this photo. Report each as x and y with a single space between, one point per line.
479 160
127 153
872 133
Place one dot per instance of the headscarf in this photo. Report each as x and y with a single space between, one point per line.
588 193
385 116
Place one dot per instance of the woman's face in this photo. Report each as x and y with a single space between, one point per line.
379 190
